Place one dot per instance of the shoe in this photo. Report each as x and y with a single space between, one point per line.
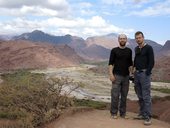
114 116
139 117
124 116
147 121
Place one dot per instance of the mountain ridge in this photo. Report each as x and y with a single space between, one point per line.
81 46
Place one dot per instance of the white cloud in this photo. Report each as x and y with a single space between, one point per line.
108 13
125 2
142 1
18 26
77 26
115 2
87 12
84 5
158 9
53 4
97 21
16 3
37 7
94 26
83 9
33 11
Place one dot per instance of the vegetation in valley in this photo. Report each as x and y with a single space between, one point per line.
91 104
32 100
163 90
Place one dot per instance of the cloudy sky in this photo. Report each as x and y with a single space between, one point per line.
86 18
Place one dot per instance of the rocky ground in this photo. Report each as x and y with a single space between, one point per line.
95 86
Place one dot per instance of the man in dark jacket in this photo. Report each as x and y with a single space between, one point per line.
143 64
119 64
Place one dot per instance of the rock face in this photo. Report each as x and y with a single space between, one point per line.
161 71
162 64
28 55
93 48
166 46
165 51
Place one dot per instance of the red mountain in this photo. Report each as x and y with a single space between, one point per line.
28 55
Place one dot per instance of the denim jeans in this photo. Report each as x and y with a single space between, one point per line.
119 87
143 91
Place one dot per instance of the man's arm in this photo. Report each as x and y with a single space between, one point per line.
111 65
130 64
111 75
134 63
150 60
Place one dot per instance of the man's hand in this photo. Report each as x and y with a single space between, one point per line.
131 78
132 70
147 72
112 78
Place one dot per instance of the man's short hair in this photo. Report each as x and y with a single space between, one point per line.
139 32
122 36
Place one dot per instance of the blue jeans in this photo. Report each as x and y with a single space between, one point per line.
119 87
143 91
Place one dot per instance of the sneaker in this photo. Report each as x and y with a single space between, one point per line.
139 117
147 121
114 116
124 116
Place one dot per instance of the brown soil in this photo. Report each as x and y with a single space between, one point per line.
160 109
84 118
102 119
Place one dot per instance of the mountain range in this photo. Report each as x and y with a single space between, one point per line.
41 50
93 48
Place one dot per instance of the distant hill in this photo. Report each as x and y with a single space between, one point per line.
96 52
165 51
166 46
156 47
5 37
39 36
108 41
93 48
28 55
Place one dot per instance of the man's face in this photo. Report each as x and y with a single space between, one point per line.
139 39
122 40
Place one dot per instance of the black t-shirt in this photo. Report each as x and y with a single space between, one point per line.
121 59
144 58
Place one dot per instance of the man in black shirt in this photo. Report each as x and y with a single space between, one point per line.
143 64
119 64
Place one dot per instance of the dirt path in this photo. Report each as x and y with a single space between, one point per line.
102 119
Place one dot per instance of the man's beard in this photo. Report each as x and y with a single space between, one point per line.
122 44
139 42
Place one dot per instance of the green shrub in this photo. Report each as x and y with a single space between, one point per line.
163 90
32 99
90 103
